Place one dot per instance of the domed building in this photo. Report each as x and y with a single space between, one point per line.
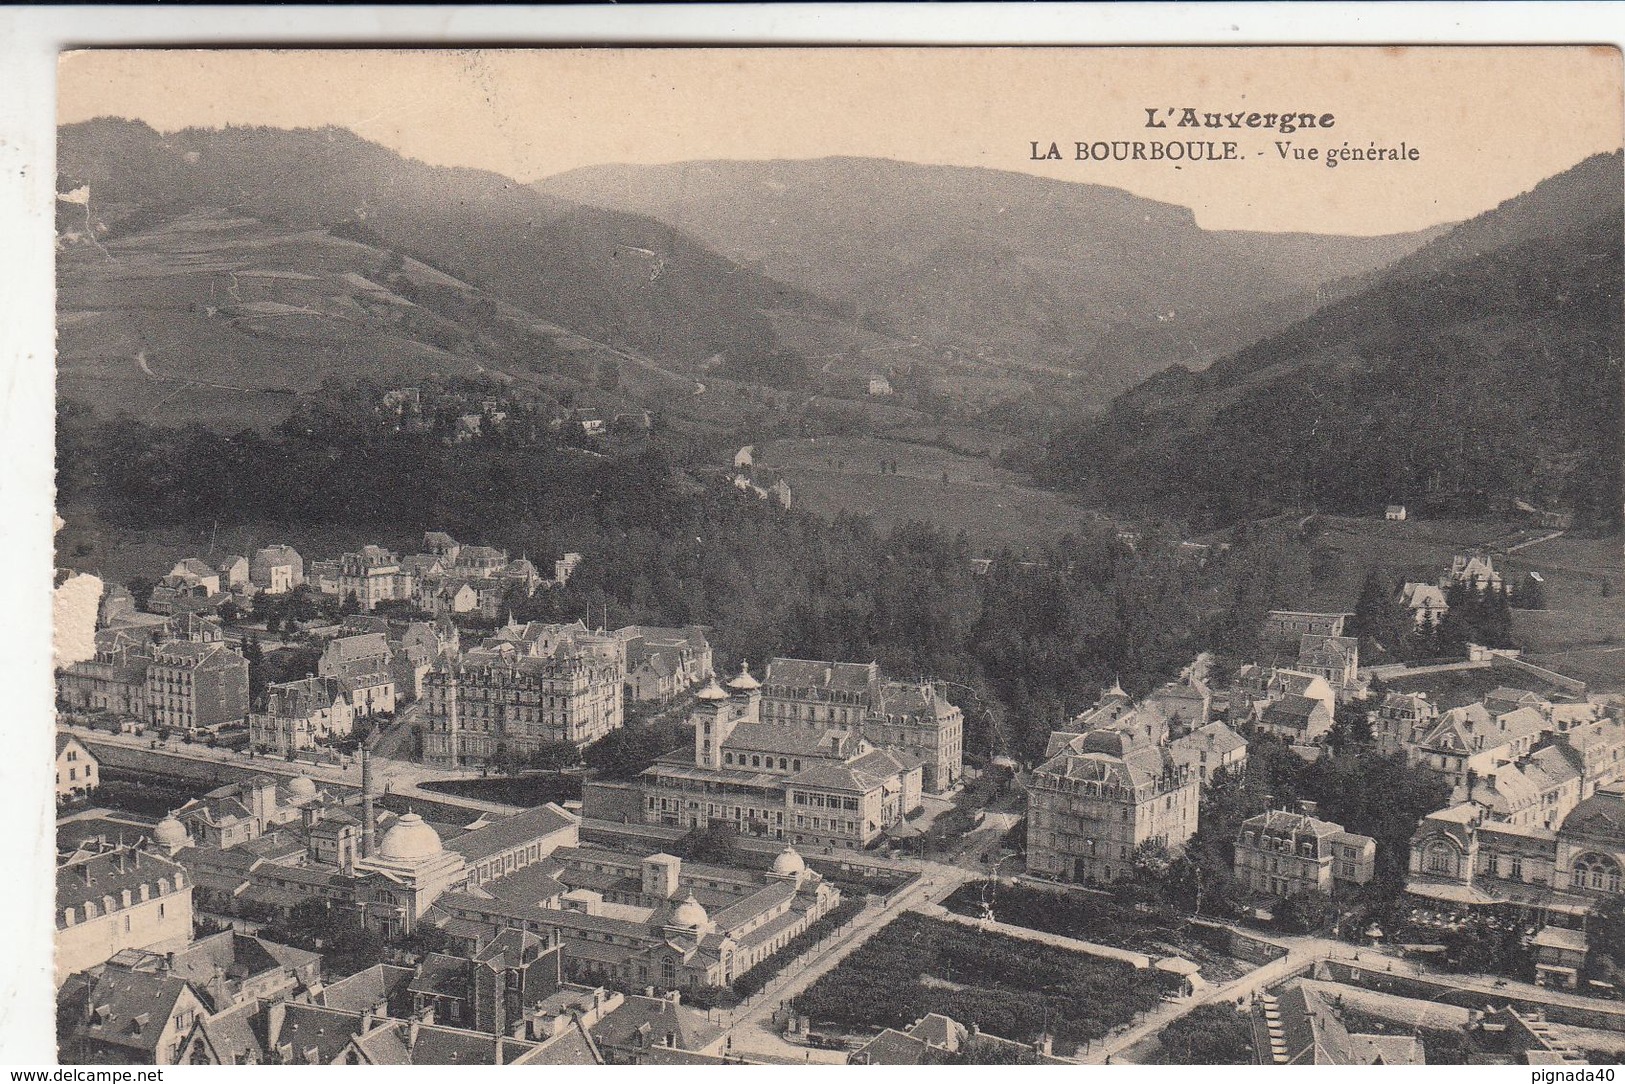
655 920
409 839
1591 844
170 835
408 872
789 863
743 682
301 788
690 915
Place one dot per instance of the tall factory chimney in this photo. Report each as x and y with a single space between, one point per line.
369 820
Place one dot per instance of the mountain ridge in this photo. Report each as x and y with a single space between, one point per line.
1088 277
1482 368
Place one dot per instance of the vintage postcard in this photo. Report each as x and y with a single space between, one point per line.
840 556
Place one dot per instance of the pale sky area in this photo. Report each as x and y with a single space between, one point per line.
1488 122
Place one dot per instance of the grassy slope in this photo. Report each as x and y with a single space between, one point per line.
1576 635
995 507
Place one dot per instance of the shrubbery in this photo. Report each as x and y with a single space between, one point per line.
1006 986
754 980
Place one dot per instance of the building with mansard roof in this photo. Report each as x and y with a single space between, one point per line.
123 898
814 786
1463 860
912 717
525 688
1281 853
1100 797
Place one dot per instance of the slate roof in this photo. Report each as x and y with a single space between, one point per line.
438 1045
302 698
735 915
778 738
531 885
1215 737
510 832
72 834
1293 710
938 1030
441 975
63 740
349 649
912 698
893 1047
1599 817
1388 1049
842 677
660 1018
110 874
384 1045
238 955
232 1035
1108 756
127 1008
1310 1033
195 656
360 992
317 1035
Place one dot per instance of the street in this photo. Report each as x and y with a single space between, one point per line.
393 776
750 1026
1302 954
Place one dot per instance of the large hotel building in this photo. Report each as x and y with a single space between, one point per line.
525 688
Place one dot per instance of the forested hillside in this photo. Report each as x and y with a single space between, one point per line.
1006 266
1034 642
1483 368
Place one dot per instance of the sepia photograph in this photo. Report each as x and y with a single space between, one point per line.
841 556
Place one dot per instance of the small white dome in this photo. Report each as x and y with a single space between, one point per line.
409 838
301 786
712 691
690 913
170 832
744 682
788 862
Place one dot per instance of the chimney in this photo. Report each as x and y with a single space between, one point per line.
412 1032
369 820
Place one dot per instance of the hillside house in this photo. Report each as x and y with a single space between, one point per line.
1475 571
1425 601
276 569
75 767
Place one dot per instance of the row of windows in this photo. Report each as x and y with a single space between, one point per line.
791 764
1083 848
823 801
849 828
